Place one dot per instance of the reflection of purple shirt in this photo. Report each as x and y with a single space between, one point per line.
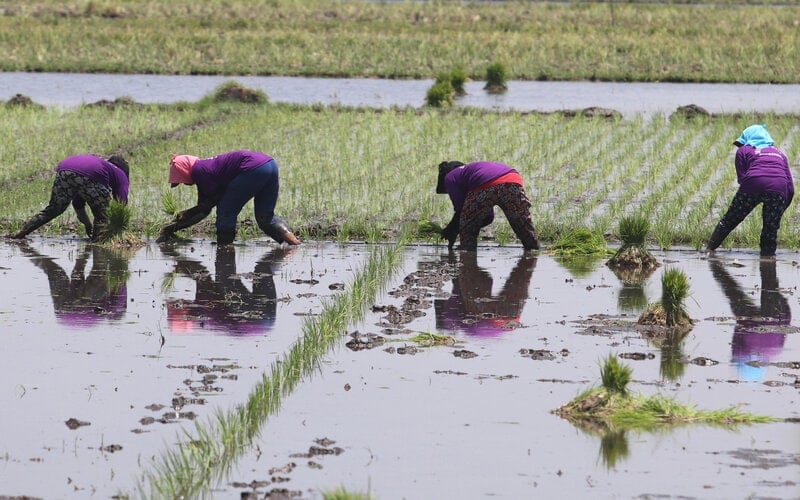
91 311
764 170
454 317
464 179
212 175
99 170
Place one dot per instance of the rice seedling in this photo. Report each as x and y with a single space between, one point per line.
611 407
580 241
633 254
671 311
117 230
496 78
615 375
441 94
342 493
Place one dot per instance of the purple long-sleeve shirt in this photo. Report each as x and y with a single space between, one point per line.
464 179
99 170
764 170
212 175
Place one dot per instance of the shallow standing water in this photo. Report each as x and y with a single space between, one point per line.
140 345
72 89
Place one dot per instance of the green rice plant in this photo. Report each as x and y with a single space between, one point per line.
633 254
169 204
580 241
342 493
496 78
116 231
607 408
440 94
458 78
674 291
428 339
615 375
633 229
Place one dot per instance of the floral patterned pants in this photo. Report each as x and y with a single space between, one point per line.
741 206
478 212
67 186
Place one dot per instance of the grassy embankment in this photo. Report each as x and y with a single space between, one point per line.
361 174
707 41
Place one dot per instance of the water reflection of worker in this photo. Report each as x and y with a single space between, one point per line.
760 332
223 303
473 309
83 299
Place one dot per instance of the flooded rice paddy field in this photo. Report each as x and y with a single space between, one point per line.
628 98
141 345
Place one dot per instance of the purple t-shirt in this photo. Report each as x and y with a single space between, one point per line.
212 175
464 179
764 170
99 170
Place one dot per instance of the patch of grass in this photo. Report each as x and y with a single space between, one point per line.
633 230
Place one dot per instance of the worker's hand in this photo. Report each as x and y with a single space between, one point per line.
450 233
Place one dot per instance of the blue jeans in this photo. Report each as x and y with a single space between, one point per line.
260 185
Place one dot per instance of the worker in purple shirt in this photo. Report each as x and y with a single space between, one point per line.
764 177
82 180
227 182
475 189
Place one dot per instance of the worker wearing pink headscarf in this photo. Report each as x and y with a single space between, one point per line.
227 182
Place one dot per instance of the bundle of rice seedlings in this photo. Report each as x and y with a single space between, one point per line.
116 232
633 253
671 311
580 242
428 228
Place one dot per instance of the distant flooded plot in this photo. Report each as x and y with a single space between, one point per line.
445 388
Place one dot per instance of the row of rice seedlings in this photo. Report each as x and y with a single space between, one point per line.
374 168
206 453
399 39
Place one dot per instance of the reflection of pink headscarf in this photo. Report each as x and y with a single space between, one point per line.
180 169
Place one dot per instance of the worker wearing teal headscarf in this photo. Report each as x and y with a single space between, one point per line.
764 177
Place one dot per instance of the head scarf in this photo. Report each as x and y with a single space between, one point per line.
180 169
756 136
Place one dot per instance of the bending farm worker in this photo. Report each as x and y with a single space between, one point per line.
475 189
762 171
227 182
82 180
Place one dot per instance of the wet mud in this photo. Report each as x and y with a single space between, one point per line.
449 380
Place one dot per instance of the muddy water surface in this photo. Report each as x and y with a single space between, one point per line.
137 346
